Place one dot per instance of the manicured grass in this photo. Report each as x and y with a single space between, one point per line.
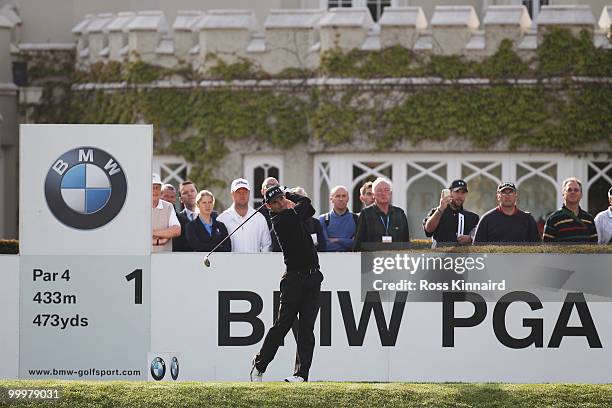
323 394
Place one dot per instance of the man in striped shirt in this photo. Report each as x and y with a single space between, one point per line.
570 223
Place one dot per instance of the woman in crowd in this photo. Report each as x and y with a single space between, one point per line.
205 232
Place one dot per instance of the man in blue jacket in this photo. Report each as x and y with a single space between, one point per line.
339 224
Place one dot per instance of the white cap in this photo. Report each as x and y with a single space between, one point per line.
240 183
156 179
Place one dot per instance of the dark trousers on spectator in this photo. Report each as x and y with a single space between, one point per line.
299 297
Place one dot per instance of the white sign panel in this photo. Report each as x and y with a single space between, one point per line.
217 317
85 189
85 242
84 317
207 323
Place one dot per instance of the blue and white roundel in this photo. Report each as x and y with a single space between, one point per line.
85 188
158 368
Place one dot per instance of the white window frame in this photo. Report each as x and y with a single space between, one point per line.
340 169
253 161
601 173
160 162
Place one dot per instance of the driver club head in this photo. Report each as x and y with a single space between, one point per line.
207 262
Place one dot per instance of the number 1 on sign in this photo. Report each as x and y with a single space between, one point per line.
136 274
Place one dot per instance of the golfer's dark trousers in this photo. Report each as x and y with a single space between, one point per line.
299 297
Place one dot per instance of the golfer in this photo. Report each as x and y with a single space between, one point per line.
300 284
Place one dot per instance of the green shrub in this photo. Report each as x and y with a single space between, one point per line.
9 246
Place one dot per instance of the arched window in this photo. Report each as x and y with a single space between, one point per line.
367 171
482 177
598 184
425 182
537 184
172 170
324 186
257 169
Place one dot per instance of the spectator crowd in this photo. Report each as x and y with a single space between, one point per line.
378 225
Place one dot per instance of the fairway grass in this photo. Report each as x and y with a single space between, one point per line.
315 394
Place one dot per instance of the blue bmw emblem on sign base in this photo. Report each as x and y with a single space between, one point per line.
85 188
158 368
174 368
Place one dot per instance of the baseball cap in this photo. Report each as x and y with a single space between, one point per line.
240 183
156 179
458 185
273 193
506 184
610 192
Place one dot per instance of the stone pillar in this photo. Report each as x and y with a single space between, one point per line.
502 22
98 37
604 33
118 36
186 35
452 28
401 26
226 34
11 13
605 21
82 40
6 32
291 39
8 135
145 32
345 28
574 18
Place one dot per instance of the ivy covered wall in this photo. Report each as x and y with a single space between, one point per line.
198 122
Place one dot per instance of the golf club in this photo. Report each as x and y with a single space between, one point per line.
206 260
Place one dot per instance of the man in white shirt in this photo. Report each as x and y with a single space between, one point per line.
603 223
253 236
164 222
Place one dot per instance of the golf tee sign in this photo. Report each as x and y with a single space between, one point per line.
85 226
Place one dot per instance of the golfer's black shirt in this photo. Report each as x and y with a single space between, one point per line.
448 226
496 226
298 249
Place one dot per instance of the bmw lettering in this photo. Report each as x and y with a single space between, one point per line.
85 188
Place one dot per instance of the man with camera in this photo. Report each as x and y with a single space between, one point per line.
449 222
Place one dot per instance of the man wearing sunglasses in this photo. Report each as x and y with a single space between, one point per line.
570 223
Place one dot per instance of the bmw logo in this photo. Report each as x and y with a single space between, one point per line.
158 368
174 368
85 188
